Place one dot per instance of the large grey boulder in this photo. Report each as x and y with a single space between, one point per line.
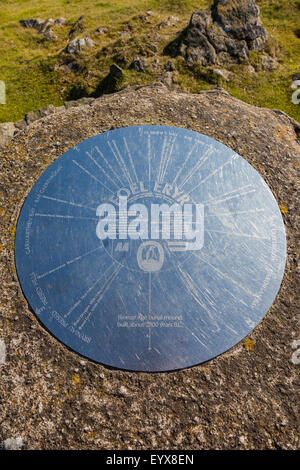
77 44
224 33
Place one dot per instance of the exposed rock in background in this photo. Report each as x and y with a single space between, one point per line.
116 71
32 23
166 78
44 27
60 21
101 30
77 27
222 34
170 21
224 74
78 44
268 63
169 67
139 65
110 82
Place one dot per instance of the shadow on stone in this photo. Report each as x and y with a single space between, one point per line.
110 82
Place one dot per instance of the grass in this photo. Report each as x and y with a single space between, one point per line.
31 66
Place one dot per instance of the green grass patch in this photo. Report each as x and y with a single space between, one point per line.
33 71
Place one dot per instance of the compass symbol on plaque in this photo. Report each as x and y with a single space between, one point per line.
150 248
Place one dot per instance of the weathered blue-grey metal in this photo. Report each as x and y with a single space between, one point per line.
150 248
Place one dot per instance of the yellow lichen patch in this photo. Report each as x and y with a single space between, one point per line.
1 247
249 344
284 209
12 231
2 212
76 380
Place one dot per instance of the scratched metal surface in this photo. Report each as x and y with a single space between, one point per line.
150 305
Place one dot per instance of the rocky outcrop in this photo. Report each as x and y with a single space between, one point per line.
77 44
225 33
43 27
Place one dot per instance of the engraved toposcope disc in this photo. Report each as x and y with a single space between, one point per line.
150 248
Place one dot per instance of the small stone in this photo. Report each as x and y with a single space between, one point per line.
123 391
60 21
101 30
7 130
268 64
250 69
13 444
2 352
167 79
169 67
49 35
138 65
242 439
77 45
225 74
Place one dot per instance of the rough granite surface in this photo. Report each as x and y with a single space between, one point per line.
247 398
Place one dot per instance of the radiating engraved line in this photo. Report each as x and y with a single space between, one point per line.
226 276
212 174
185 162
238 234
196 338
58 216
68 202
149 311
168 159
100 168
149 158
102 292
198 165
216 200
123 162
130 158
67 263
92 176
162 156
109 165
192 288
88 291
119 161
235 213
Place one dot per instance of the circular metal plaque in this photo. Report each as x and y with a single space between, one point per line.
150 248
